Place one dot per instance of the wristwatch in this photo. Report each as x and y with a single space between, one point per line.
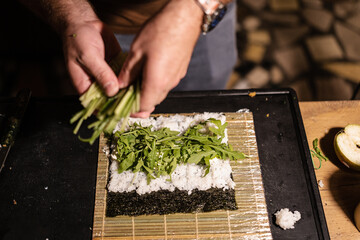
214 11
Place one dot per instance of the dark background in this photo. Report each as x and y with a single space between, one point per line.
30 54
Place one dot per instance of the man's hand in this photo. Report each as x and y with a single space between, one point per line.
161 52
87 42
87 47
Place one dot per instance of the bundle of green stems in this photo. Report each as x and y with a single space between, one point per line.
109 111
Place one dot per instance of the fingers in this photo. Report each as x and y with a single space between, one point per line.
86 54
142 114
131 69
151 95
80 78
157 78
156 84
101 71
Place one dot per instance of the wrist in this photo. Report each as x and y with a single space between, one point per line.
188 12
64 15
71 28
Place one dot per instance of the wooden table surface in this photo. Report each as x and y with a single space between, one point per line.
341 191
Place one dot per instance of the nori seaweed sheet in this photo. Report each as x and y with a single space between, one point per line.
167 202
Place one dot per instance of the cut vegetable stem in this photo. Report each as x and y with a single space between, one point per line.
108 110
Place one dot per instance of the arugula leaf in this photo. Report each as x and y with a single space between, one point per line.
159 152
220 128
197 157
138 166
125 165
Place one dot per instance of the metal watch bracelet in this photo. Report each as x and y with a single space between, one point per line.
214 11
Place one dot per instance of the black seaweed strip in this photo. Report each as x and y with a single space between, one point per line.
167 202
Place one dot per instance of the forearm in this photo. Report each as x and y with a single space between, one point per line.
62 13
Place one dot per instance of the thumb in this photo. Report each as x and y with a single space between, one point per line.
130 70
103 74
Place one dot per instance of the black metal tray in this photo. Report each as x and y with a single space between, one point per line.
47 187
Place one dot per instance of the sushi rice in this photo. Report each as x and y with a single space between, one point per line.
186 177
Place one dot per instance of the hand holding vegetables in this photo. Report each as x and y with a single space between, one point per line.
87 47
160 53
108 110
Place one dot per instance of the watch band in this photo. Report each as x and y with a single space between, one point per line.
214 11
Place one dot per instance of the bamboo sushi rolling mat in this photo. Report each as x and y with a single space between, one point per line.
250 221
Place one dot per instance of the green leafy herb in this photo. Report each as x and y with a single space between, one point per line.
317 153
108 110
159 152
219 129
